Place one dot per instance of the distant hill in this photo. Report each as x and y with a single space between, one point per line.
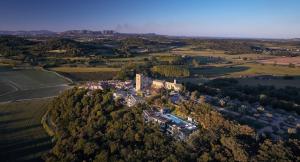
28 33
87 33
295 39
68 33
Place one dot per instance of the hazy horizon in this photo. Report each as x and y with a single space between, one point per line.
240 19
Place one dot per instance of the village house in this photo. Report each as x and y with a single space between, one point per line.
170 124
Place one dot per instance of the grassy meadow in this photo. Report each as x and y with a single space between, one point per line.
267 70
87 73
245 69
84 69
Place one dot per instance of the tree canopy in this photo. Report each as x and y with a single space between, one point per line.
93 127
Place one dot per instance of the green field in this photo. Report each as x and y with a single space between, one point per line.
84 69
31 78
245 69
268 70
29 83
6 88
216 71
87 73
57 51
189 51
22 136
249 71
33 93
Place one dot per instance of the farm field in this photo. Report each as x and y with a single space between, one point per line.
5 88
188 51
136 58
245 69
84 69
87 73
57 51
32 93
282 61
267 70
22 136
29 83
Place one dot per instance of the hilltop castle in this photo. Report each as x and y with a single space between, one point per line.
143 82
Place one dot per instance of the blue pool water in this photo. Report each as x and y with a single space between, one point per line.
175 119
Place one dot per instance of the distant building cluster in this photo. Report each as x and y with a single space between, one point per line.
143 83
169 123
127 94
128 98
105 84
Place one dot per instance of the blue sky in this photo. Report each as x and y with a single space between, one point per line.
223 18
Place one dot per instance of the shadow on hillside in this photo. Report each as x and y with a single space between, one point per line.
6 122
9 131
21 138
24 150
9 113
269 80
218 71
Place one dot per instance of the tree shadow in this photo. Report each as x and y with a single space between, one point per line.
2 114
6 122
25 150
16 145
18 129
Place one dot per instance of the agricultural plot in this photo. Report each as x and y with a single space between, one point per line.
6 88
282 61
267 70
244 70
217 71
22 136
33 93
189 51
84 69
87 73
29 83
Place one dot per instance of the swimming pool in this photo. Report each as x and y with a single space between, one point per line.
175 119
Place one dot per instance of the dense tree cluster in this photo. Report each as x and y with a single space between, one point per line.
128 71
287 98
59 47
227 45
44 51
95 128
171 71
170 59
68 46
12 46
244 46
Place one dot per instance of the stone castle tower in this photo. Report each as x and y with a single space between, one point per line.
138 82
